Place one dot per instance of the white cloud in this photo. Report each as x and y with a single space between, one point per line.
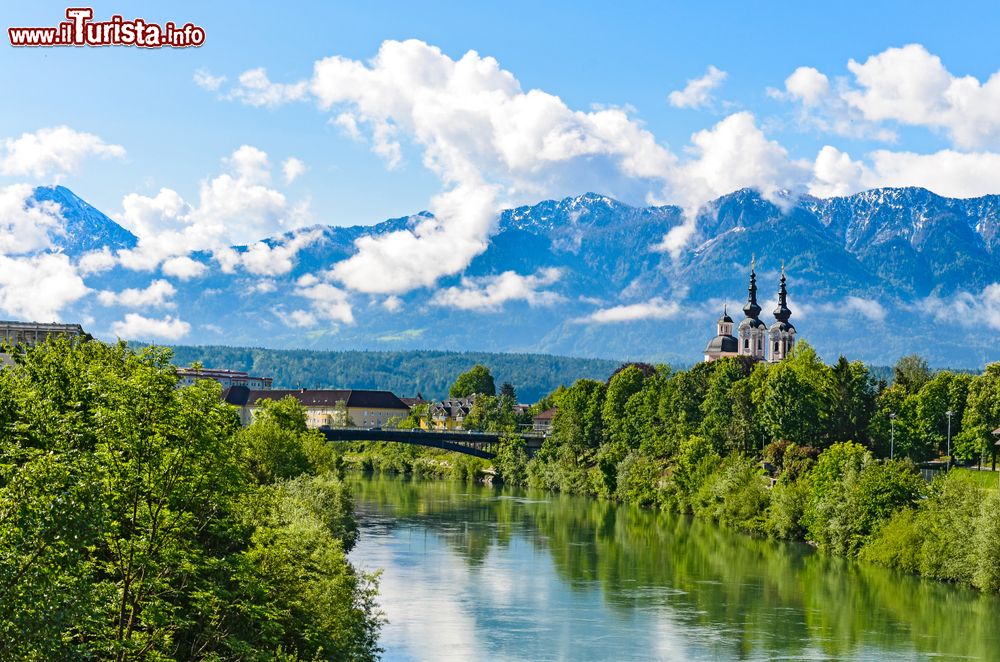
733 154
966 308
52 151
490 293
393 304
299 318
234 205
206 81
947 172
698 91
39 287
906 85
264 286
137 327
26 225
328 302
156 295
655 308
96 262
869 308
808 85
184 268
293 168
264 259
256 89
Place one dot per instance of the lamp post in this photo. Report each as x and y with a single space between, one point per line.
892 436
949 414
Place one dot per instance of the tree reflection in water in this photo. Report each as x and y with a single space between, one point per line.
762 597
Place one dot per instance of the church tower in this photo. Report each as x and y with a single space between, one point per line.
782 333
724 343
752 332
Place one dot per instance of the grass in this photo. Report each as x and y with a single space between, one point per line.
981 479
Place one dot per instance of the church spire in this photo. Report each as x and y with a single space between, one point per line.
752 309
782 312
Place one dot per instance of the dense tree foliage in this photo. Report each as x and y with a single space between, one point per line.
138 521
404 373
795 450
477 380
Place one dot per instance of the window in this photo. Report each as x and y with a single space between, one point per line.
746 343
776 345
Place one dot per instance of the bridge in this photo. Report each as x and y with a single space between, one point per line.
477 444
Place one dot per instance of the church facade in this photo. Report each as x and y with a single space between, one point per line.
753 338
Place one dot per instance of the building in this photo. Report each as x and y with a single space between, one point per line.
31 333
448 414
755 341
543 421
228 378
324 407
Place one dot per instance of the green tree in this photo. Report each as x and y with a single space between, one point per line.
851 395
911 373
981 416
475 381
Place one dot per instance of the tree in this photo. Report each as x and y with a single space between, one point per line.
718 405
851 394
475 381
946 391
982 415
507 391
911 373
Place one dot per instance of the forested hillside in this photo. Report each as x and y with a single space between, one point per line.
429 373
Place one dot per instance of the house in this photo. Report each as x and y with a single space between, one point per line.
324 407
415 402
448 414
31 333
543 421
227 378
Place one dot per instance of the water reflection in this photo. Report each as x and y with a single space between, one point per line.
476 572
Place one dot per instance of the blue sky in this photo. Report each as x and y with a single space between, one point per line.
586 53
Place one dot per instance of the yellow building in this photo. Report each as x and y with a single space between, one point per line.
325 407
448 414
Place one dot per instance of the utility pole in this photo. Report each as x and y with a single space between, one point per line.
949 414
892 435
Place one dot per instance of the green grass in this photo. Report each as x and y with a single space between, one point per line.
982 479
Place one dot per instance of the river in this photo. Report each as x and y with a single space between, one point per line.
471 572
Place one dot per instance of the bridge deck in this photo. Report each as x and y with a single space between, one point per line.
477 444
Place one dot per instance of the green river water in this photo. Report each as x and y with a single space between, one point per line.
471 572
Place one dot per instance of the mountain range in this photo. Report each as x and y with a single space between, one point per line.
873 276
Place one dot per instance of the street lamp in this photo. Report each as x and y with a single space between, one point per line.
892 435
949 414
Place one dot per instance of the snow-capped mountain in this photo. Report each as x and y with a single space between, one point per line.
874 275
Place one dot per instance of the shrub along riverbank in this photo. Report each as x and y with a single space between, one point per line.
689 441
139 521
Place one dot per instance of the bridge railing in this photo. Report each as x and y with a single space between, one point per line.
470 433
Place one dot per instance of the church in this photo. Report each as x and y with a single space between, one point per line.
755 339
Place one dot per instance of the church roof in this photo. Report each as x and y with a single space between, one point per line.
722 344
752 323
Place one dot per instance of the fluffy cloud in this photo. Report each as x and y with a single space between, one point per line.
96 262
906 85
492 143
256 89
947 172
156 295
654 309
25 225
492 292
733 154
52 151
808 85
38 287
206 81
328 302
183 267
698 91
292 168
969 309
232 206
137 327
265 259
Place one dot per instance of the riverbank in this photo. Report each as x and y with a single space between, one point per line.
842 500
524 574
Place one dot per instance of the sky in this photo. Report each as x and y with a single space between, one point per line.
296 114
